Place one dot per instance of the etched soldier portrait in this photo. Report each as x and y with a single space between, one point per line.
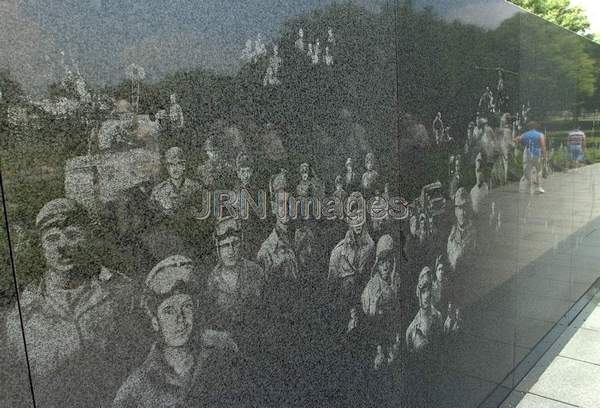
349 260
480 190
175 113
378 296
462 240
351 177
79 320
178 193
370 178
179 207
441 285
187 362
235 286
305 187
216 173
245 171
425 331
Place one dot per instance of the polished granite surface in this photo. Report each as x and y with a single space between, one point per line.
134 133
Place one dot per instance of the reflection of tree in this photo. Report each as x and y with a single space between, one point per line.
10 88
557 73
384 70
561 12
436 70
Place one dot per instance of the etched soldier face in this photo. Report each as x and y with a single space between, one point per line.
425 297
212 153
385 267
175 320
369 165
281 208
479 176
62 246
176 169
357 229
461 214
440 274
245 174
413 225
229 250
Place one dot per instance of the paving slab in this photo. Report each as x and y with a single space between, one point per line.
583 345
564 379
519 399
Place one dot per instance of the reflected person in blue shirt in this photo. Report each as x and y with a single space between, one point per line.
534 143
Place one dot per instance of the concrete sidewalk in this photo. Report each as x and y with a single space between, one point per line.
568 375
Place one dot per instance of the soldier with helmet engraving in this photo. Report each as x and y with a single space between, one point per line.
249 197
351 177
425 331
217 173
188 363
81 319
178 193
370 178
235 285
179 218
277 254
351 256
462 239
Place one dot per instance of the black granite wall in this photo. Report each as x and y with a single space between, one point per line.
432 281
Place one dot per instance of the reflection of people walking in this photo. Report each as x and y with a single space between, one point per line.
533 155
576 142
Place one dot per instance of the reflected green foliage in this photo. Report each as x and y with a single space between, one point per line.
11 89
558 71
560 12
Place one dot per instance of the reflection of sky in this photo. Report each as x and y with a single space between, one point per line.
484 13
110 34
104 36
592 9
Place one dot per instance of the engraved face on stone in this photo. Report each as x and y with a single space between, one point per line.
245 174
62 246
370 162
229 250
440 274
176 169
175 319
212 153
460 213
281 208
384 267
425 296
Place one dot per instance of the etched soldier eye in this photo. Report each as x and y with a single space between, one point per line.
170 310
73 234
52 237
